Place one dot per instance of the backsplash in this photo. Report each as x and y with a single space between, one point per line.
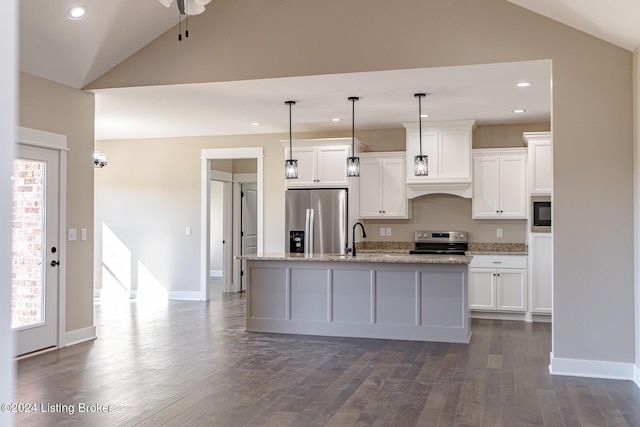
446 212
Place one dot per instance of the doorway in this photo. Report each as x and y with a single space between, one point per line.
36 251
211 157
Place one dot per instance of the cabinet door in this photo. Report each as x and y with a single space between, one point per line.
482 289
332 166
513 187
454 155
541 272
541 162
429 148
306 157
510 289
370 187
394 195
486 187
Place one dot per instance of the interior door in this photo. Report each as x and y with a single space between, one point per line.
249 221
35 249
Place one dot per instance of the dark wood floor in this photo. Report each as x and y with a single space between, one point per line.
189 363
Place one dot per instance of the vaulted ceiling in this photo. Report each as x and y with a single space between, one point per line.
77 52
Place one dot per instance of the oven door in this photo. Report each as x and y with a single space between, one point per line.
541 215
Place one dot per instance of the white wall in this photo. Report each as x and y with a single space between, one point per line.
8 120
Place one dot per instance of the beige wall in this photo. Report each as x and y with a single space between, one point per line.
636 181
52 107
592 117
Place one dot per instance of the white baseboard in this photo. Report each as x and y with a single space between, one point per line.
79 336
636 375
184 295
593 369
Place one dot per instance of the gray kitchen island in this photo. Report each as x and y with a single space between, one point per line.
387 296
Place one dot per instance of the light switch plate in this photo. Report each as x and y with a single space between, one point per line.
499 232
72 234
388 231
187 231
382 231
83 234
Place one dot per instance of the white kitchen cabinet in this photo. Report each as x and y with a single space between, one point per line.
541 272
540 162
321 162
382 187
448 147
500 184
498 283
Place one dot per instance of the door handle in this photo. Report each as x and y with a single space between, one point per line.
54 263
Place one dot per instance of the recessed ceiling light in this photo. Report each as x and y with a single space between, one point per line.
336 119
76 12
524 84
519 111
255 124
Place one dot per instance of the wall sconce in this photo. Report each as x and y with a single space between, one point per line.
99 159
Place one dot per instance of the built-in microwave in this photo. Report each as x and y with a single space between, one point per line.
541 214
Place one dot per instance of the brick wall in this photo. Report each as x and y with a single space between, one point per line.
27 242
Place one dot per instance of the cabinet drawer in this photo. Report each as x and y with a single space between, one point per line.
498 261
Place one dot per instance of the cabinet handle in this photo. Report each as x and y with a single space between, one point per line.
497 262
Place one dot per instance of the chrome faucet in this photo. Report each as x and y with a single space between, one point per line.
364 236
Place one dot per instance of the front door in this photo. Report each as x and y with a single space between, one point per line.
35 249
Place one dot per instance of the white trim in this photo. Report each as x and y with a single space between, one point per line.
224 153
40 138
79 336
54 141
215 273
636 375
245 177
220 176
592 369
184 296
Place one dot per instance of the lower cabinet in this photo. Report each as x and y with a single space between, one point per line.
498 283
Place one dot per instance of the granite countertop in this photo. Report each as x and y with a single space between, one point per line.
474 248
365 257
497 249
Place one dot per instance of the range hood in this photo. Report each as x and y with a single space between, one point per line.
460 188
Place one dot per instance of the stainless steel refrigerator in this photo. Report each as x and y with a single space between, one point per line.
316 220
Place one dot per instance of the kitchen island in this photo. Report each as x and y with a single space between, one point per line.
389 296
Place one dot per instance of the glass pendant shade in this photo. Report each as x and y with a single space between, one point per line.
421 165
353 166
291 169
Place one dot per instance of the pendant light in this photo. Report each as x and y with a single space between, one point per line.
290 165
421 162
353 162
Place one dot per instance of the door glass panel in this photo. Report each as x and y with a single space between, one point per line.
27 244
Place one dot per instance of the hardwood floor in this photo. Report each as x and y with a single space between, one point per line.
189 363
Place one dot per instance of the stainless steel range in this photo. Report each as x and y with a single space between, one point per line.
441 242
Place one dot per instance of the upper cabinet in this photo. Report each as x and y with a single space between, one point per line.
500 184
321 162
382 188
540 162
448 147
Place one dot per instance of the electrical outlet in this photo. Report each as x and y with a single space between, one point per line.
388 231
499 232
382 231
